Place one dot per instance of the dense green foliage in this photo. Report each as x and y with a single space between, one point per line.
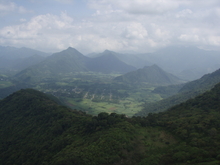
36 130
167 91
189 90
197 123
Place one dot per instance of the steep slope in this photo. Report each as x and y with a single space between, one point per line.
107 62
69 60
151 75
189 90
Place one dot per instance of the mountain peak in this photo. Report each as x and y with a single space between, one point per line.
152 66
71 49
107 51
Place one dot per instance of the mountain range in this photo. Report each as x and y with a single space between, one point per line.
188 63
70 61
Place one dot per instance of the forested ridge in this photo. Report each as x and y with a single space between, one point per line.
35 129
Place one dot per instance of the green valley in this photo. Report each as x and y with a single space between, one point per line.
95 93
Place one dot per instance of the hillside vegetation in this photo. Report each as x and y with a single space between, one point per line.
35 129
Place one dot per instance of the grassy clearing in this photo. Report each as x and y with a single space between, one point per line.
128 106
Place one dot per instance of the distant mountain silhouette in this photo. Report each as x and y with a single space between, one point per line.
188 63
19 58
130 59
107 62
149 74
27 62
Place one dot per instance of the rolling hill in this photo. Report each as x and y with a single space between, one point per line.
151 75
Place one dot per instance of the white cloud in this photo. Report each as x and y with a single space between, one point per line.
8 7
140 25
184 13
65 1
189 38
44 31
138 6
135 31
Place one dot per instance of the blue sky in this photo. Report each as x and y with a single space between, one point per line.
118 25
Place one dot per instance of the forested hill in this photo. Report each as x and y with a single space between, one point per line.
196 122
34 129
189 90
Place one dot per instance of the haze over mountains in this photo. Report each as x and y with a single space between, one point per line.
107 62
20 58
187 63
70 61
55 134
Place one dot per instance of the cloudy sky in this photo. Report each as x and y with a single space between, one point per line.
118 25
